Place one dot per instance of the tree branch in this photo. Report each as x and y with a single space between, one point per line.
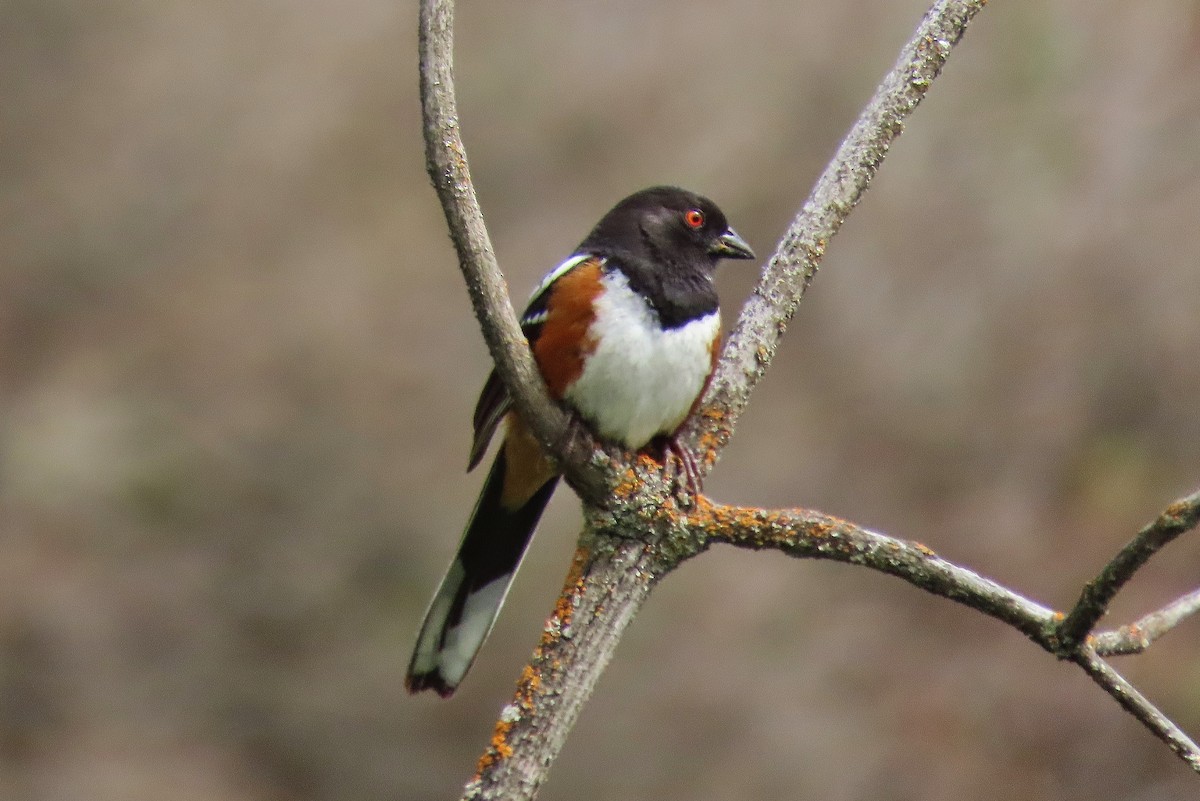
612 576
604 590
791 269
1138 705
625 549
1181 516
807 534
1136 637
446 162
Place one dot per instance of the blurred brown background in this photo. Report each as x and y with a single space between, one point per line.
237 367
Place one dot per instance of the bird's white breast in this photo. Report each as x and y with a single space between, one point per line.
642 379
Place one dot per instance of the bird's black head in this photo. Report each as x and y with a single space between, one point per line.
672 227
668 241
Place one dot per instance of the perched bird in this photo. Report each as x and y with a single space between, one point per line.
625 333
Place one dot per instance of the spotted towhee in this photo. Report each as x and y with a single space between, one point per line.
625 334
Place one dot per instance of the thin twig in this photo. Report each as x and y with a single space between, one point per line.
1134 638
1138 705
807 534
446 162
1181 516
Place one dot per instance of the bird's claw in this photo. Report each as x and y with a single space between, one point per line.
680 468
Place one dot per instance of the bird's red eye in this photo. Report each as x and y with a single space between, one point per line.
694 218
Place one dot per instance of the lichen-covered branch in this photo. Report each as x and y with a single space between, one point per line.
624 551
602 594
809 534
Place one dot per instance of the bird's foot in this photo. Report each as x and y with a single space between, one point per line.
680 468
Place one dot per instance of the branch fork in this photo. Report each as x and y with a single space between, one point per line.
638 526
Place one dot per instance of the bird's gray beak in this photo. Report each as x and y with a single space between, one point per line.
731 246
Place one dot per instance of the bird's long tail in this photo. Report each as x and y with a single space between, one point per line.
469 599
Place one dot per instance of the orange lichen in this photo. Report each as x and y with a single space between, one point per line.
628 485
669 510
716 416
500 740
1177 509
715 518
714 435
824 528
527 687
703 513
497 750
564 607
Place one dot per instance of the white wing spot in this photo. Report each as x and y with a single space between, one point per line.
557 273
